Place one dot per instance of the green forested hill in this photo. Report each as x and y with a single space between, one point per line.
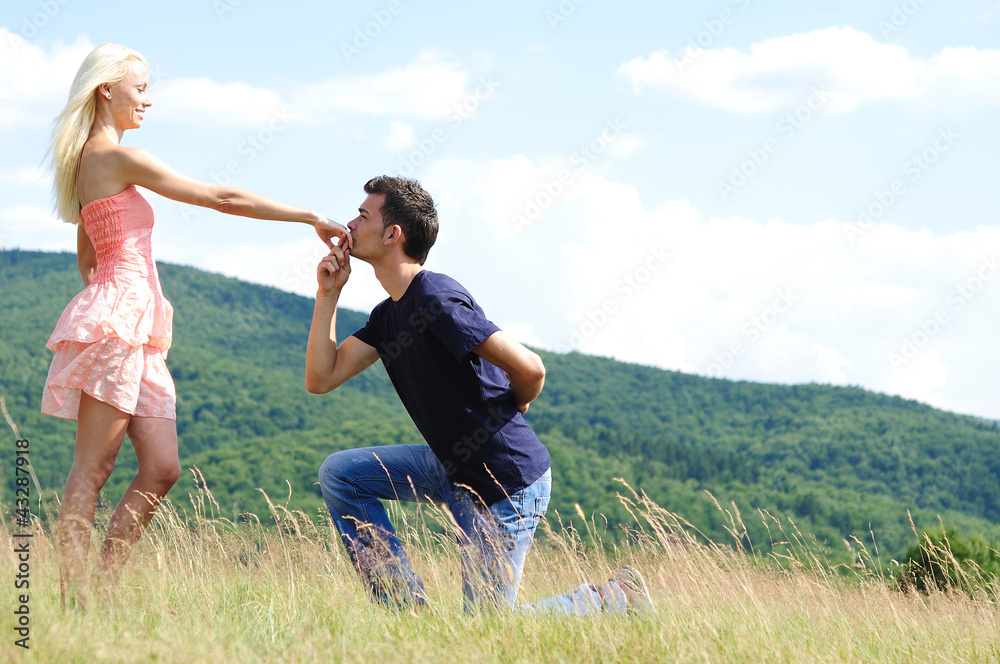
837 461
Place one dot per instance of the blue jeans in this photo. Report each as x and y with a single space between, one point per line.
493 541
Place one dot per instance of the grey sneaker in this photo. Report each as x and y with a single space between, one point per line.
637 597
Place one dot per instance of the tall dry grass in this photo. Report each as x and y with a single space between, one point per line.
202 588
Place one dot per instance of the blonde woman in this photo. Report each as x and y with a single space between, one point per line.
110 344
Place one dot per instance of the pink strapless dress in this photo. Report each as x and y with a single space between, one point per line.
112 339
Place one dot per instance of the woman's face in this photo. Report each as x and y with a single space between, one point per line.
130 98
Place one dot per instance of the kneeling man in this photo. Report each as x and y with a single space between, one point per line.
466 384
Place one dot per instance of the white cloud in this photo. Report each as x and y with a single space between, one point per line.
509 186
399 138
27 176
772 301
31 216
761 300
34 82
924 378
205 101
850 65
518 192
522 332
28 226
980 12
625 146
425 88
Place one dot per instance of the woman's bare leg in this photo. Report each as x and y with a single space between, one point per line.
99 433
155 443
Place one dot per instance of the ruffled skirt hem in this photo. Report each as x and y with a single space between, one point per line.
133 379
134 313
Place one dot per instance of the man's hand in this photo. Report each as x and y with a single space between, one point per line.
522 407
334 270
328 366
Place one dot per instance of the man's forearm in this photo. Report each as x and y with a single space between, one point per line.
524 368
526 390
321 350
527 381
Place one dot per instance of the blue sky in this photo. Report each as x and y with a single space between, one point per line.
747 189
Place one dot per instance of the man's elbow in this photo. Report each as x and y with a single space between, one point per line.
317 384
536 369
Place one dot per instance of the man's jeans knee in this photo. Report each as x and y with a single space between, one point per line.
494 541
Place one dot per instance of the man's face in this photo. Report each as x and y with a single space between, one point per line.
366 228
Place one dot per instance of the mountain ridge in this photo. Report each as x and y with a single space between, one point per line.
840 461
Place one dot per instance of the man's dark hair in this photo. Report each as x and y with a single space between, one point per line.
407 204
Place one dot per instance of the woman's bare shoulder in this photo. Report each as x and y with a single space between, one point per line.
104 169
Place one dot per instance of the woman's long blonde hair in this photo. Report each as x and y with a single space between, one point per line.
108 63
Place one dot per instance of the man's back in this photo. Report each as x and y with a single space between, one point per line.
461 403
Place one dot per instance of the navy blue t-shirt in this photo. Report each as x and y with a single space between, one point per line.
461 404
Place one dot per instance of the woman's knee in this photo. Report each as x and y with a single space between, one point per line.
91 474
163 473
171 473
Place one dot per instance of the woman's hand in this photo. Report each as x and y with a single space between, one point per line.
327 230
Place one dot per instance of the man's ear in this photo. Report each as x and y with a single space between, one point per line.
394 235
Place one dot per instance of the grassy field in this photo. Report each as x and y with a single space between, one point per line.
204 589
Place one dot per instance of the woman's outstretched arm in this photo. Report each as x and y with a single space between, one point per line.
134 166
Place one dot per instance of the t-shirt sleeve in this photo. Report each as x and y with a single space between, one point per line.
460 326
369 332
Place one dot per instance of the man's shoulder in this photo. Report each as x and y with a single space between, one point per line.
437 286
435 281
